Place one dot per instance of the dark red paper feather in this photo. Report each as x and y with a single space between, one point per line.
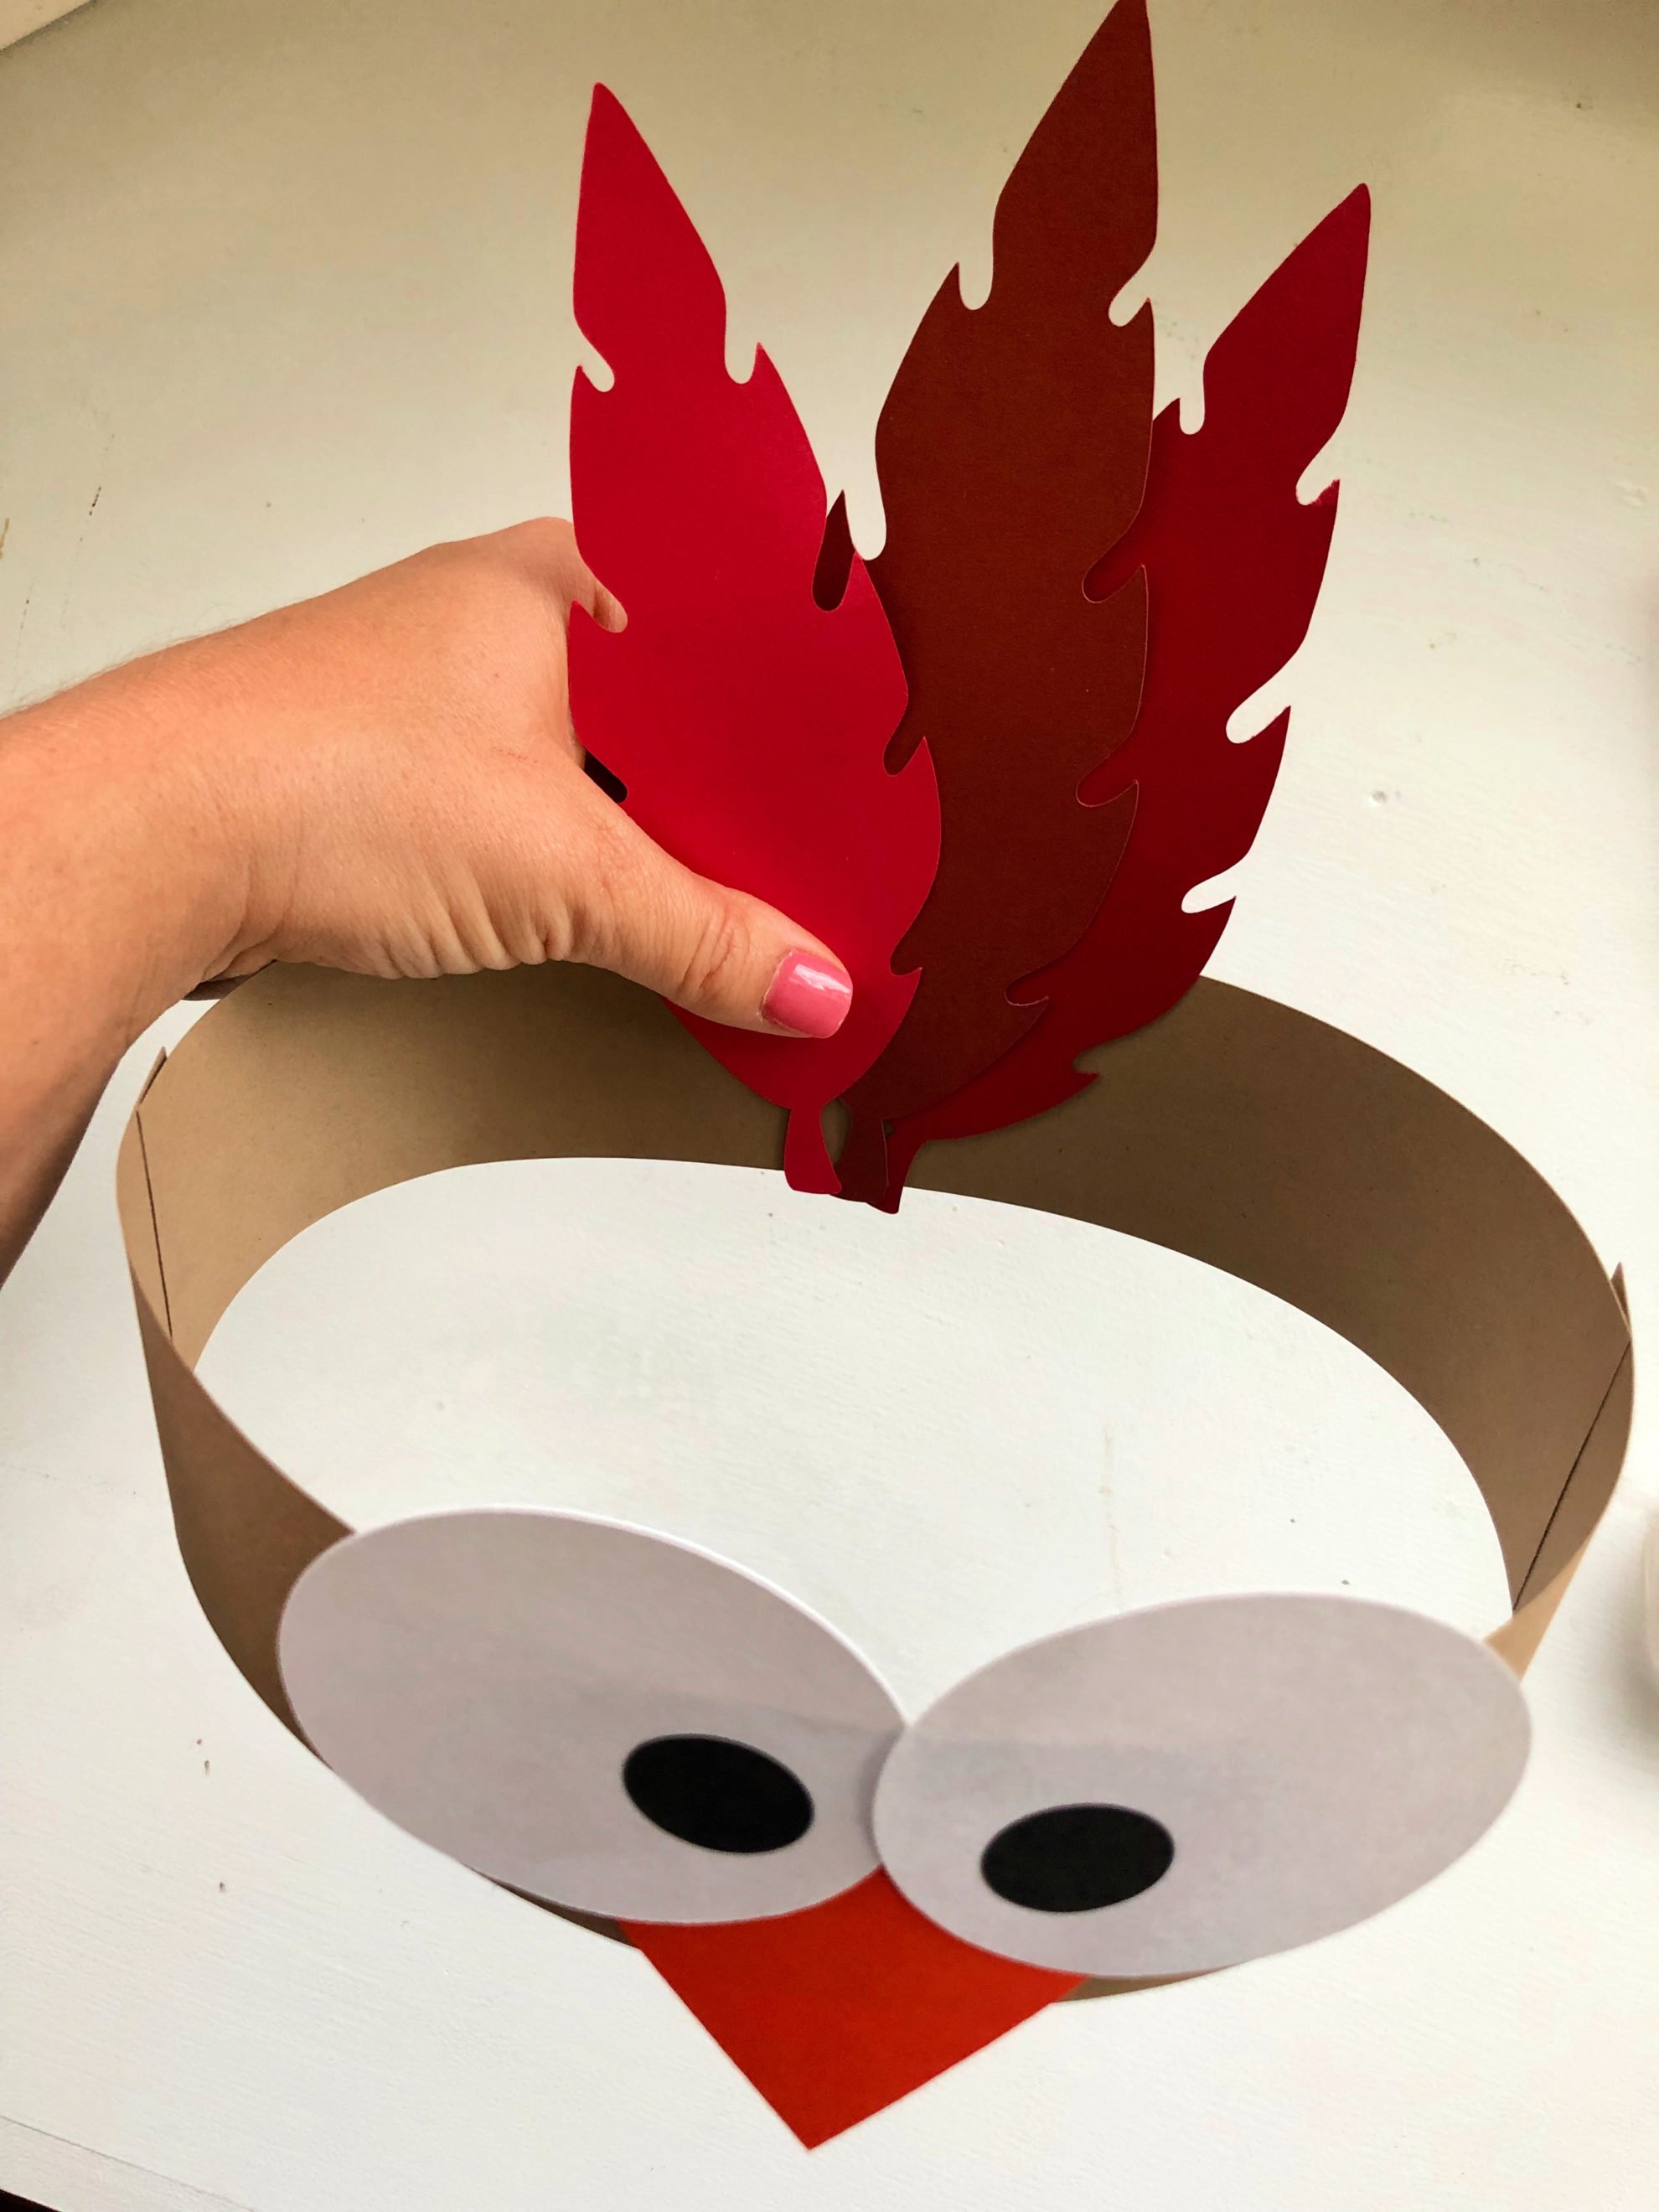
749 724
1233 562
1011 452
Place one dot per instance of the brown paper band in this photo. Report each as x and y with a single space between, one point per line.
1235 1130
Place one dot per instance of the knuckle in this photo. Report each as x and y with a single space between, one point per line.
712 966
545 549
603 891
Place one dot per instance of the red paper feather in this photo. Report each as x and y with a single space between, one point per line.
1233 562
1013 453
749 724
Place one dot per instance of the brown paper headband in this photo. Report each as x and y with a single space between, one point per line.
1235 1130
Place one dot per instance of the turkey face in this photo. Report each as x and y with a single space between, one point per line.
616 1723
613 1723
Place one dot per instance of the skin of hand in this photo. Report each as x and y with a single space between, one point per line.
384 780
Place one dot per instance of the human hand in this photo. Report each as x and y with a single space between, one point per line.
394 788
384 780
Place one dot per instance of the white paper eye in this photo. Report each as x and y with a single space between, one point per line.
602 1718
1195 1784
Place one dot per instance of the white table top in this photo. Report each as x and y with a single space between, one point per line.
283 293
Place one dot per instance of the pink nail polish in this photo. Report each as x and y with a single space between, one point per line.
810 995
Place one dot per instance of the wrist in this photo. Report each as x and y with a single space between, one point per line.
121 852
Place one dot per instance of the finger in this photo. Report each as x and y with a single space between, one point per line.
712 949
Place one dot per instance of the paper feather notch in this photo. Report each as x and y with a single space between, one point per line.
992 769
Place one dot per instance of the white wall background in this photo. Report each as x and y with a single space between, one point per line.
283 293
18 18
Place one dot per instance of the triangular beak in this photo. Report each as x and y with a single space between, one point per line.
838 2011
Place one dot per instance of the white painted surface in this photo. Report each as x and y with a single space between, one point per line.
20 18
283 293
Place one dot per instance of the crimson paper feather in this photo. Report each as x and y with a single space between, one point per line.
1012 453
1233 562
749 724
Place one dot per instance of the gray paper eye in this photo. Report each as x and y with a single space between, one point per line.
1193 1785
602 1718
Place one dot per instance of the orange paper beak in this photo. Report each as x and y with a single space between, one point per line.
838 2011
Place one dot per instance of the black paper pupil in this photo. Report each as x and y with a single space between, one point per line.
1075 1858
725 1796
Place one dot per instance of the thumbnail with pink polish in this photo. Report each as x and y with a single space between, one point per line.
809 995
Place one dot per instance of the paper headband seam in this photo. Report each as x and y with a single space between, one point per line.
1526 1591
149 1193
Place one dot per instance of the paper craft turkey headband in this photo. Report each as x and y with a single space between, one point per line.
649 1739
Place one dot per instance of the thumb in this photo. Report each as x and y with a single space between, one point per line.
712 949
